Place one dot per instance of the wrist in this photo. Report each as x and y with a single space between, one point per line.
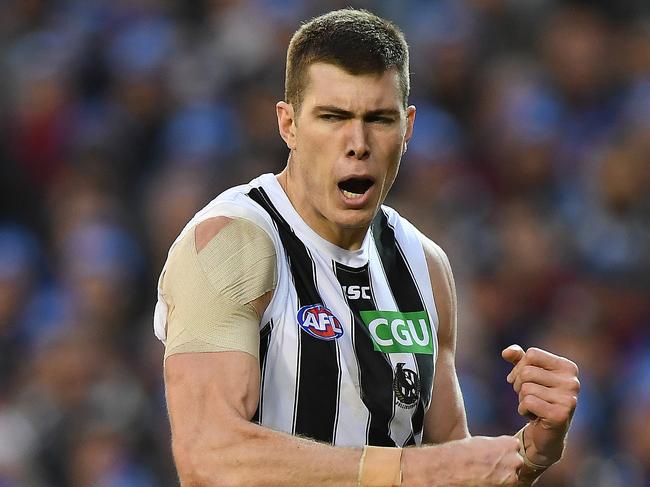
533 458
430 466
416 461
412 474
380 467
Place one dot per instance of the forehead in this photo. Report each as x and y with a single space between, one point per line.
331 85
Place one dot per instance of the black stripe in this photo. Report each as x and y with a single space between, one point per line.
265 340
318 371
375 370
407 297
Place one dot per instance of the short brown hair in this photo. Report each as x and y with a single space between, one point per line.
356 40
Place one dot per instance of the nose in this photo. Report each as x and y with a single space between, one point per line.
357 141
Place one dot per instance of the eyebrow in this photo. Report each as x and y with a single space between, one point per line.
347 113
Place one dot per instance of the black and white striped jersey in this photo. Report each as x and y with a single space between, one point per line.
348 342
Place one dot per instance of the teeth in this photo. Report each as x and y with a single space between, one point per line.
350 195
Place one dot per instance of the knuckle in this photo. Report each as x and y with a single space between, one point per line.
533 352
528 401
527 388
526 373
575 385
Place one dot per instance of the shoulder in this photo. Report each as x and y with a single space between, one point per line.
443 287
227 236
223 257
437 260
205 231
438 265
223 244
234 203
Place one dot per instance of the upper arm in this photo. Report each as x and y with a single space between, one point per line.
210 396
445 420
218 282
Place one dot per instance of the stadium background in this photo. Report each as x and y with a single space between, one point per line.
530 165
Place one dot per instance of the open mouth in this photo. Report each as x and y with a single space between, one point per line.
355 187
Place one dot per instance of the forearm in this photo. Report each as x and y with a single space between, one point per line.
422 468
252 455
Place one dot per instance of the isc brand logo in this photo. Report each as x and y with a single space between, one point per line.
356 292
319 322
394 331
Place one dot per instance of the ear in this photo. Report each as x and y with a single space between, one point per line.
410 120
286 123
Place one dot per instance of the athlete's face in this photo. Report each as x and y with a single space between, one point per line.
346 144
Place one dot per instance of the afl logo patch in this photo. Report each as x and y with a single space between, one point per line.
319 322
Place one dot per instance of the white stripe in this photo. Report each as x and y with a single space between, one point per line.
282 358
338 392
263 374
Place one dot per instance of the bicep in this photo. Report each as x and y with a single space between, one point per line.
445 419
209 395
202 388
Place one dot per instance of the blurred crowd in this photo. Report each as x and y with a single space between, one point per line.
530 165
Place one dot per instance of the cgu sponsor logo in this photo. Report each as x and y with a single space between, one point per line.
319 322
396 332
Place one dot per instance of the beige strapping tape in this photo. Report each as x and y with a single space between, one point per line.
380 467
524 457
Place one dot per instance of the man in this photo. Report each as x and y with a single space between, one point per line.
310 330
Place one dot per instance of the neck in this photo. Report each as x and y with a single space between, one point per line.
345 238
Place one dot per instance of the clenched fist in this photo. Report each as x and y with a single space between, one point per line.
548 388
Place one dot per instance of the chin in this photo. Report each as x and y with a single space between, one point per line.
356 219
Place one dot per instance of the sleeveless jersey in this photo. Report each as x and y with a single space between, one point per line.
348 342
